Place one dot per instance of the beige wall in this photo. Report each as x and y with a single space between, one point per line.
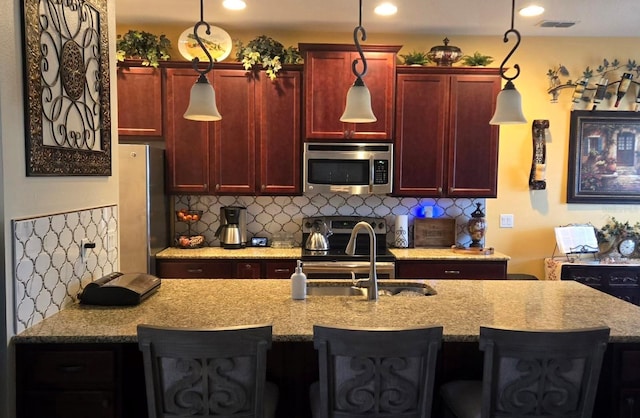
536 213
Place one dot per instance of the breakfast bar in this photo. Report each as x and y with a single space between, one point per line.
460 306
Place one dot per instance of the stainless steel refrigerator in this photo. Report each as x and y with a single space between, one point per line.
143 215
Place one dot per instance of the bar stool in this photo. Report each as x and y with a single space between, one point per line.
531 374
207 372
378 372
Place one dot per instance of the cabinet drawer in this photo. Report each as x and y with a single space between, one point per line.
68 404
194 269
279 269
247 270
451 270
69 369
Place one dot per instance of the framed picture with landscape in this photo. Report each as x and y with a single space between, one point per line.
604 157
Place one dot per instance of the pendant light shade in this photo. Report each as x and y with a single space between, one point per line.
508 107
509 103
358 108
202 104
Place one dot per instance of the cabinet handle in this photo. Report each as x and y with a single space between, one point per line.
452 272
75 368
282 270
194 270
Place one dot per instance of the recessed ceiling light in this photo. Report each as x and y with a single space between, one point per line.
234 4
386 9
531 10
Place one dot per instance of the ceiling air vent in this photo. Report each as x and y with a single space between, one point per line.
555 24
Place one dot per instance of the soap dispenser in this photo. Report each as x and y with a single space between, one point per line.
298 283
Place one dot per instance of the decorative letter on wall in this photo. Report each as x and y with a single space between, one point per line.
67 102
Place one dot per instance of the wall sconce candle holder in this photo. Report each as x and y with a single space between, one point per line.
537 177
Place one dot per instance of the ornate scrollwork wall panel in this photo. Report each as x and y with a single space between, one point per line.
67 100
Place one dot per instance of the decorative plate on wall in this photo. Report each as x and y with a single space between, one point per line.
218 43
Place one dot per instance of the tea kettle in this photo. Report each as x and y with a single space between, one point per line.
318 238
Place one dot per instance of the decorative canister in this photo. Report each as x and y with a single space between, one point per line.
476 226
445 55
402 231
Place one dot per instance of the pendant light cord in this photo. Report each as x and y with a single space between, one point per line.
359 30
506 39
196 60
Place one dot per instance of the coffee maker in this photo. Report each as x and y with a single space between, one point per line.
232 231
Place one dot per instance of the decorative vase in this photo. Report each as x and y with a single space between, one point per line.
445 55
477 227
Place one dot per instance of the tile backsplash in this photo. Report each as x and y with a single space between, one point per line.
49 269
267 215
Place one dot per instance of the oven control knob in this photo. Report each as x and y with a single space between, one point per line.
307 224
373 225
381 225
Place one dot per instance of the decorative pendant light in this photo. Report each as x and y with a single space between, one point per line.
202 104
509 102
358 107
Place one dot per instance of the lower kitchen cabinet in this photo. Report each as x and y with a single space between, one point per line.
627 387
76 380
621 281
225 269
439 269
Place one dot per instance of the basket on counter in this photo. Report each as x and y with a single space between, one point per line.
190 241
186 215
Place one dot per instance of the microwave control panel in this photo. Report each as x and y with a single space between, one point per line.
380 172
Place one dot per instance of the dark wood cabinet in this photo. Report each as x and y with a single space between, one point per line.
444 145
621 281
225 269
187 141
440 269
253 150
140 100
328 76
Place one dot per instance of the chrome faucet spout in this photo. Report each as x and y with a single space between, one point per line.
372 284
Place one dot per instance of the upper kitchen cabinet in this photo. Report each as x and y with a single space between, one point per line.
253 150
444 143
186 141
328 76
139 102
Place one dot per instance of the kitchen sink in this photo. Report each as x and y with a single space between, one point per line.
385 288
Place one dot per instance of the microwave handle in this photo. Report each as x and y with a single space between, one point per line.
372 173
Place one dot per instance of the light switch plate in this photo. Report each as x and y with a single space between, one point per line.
506 220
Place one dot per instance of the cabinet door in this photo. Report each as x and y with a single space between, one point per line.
473 143
187 141
140 102
248 270
420 132
233 154
328 77
278 136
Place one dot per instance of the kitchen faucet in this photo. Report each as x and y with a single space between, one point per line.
372 282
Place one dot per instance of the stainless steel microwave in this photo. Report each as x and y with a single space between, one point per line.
355 168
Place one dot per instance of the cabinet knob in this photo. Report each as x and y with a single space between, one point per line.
263 187
218 186
439 189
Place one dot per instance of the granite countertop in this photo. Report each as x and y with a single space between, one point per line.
461 306
295 253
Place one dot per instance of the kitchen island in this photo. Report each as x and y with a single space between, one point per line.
460 306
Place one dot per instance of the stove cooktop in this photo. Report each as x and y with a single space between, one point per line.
341 227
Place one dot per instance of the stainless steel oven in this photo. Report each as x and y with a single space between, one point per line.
356 168
334 263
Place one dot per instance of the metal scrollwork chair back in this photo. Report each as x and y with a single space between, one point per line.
375 372
207 372
532 374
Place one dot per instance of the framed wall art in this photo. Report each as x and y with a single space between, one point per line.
604 157
67 101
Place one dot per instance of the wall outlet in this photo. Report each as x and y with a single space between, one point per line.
506 220
111 241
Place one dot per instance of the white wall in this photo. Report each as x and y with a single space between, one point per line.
22 196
